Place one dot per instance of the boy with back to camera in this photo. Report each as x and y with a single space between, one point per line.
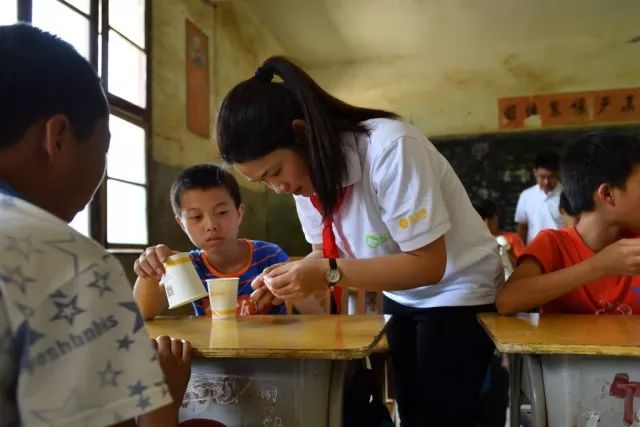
591 268
73 348
208 208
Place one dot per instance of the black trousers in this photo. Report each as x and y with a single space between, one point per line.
439 358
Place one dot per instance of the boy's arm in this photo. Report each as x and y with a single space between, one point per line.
148 293
523 229
150 296
530 287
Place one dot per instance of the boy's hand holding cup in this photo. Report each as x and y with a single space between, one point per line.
149 264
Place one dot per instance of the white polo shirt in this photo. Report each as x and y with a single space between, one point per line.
539 210
403 196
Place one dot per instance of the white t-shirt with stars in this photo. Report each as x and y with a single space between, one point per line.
73 347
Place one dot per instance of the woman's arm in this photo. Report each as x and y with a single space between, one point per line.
423 266
405 270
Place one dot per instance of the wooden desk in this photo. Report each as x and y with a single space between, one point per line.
271 370
277 337
571 363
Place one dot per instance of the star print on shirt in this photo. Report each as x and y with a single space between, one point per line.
27 312
125 343
67 311
58 294
56 244
138 323
109 376
24 338
143 403
6 342
100 283
22 246
137 388
163 387
16 277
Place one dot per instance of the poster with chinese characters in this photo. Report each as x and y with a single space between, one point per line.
567 109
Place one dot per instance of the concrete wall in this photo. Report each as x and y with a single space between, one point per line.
449 99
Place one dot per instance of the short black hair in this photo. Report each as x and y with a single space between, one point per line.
596 159
40 76
486 209
202 177
565 205
548 160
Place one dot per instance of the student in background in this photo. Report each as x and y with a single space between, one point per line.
568 215
73 347
594 267
383 210
208 208
488 211
537 207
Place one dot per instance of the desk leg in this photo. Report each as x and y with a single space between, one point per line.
515 370
336 392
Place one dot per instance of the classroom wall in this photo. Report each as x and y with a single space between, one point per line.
448 82
446 94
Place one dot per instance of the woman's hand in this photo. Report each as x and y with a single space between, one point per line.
296 280
261 294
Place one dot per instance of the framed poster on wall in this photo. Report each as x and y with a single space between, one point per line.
197 75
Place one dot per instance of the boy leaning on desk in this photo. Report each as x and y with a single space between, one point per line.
593 267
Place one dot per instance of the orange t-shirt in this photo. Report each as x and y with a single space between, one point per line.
558 249
515 241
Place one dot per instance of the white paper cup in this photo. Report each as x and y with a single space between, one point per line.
223 297
181 281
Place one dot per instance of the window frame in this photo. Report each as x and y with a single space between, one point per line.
120 107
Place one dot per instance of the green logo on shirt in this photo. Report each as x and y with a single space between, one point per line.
375 240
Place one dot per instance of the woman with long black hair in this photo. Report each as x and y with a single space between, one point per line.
383 210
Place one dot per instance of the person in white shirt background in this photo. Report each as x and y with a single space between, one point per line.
372 191
538 205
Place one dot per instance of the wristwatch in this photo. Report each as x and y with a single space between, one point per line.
333 274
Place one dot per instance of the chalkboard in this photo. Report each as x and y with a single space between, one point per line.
498 166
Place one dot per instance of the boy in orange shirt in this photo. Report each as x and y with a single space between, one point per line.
488 211
591 268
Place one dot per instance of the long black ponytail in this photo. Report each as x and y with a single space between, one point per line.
256 116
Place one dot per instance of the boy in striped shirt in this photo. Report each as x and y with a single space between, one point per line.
207 206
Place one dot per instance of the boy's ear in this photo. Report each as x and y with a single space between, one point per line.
179 221
604 193
57 131
240 212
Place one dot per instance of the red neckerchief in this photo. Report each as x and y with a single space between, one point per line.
329 247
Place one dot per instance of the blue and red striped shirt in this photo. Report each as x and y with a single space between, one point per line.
262 255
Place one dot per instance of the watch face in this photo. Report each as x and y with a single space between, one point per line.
333 276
